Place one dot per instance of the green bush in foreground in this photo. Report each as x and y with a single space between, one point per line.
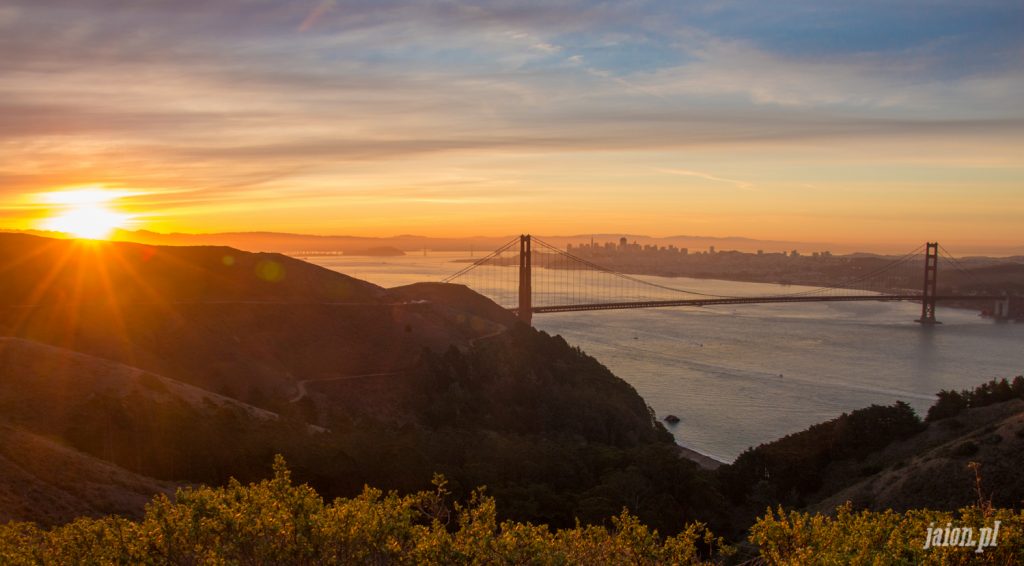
884 537
275 522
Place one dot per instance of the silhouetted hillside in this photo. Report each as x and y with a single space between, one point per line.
882 458
141 421
43 271
45 481
458 299
932 469
250 326
403 383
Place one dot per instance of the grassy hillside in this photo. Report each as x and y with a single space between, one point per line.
198 364
44 481
882 458
250 326
556 436
931 469
140 421
39 271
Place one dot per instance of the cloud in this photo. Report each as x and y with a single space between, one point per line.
546 47
214 100
316 13
688 173
911 83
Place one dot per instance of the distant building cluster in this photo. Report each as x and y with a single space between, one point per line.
632 257
625 248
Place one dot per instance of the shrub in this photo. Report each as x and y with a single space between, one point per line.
884 537
277 522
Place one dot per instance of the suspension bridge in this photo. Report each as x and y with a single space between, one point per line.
530 276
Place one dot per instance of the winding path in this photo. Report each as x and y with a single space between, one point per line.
301 385
303 391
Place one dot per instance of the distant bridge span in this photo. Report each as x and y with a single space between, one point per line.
882 284
747 301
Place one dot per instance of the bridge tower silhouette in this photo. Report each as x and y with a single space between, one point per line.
550 280
525 310
931 280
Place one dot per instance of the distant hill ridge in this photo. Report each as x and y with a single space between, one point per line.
292 243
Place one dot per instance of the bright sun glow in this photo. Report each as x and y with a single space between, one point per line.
84 213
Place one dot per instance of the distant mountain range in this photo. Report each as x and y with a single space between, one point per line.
290 243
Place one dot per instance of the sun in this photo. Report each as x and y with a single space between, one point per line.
84 213
92 222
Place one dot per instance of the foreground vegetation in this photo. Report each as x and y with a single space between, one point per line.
887 537
277 522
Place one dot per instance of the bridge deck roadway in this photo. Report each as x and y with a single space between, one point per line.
746 301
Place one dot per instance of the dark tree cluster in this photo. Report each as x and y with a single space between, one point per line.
792 468
951 403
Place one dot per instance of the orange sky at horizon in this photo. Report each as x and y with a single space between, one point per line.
896 127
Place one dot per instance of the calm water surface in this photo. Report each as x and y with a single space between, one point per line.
737 376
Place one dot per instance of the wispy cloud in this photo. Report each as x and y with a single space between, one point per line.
688 173
316 13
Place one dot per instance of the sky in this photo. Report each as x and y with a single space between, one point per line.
868 121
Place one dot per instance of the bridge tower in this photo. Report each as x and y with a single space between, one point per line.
525 279
1002 309
931 272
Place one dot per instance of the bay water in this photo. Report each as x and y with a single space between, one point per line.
740 375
